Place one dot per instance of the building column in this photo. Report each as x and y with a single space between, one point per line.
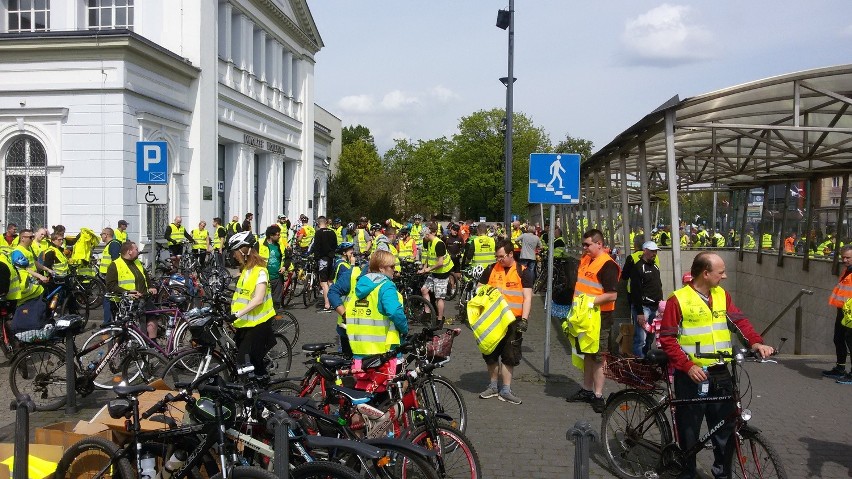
225 15
287 74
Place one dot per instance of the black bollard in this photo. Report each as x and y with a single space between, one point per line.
583 435
22 406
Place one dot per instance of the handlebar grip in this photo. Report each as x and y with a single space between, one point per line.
158 406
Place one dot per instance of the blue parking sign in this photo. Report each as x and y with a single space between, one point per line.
152 162
554 178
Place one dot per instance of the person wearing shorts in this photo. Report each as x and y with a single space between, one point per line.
597 277
438 265
323 248
515 282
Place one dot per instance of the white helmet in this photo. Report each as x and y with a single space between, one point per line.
243 238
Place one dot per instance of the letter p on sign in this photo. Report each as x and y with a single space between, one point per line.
151 155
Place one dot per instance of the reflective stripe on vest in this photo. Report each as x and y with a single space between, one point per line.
14 278
483 251
29 286
178 233
126 280
766 241
842 292
60 266
369 331
199 239
309 236
406 249
415 232
509 284
490 327
353 278
361 237
106 259
432 257
701 325
587 278
242 296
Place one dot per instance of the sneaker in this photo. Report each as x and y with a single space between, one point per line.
837 372
326 310
507 396
846 379
598 404
490 392
583 395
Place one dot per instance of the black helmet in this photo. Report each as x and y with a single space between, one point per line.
375 226
337 221
303 218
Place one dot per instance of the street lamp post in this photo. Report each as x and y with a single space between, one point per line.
506 19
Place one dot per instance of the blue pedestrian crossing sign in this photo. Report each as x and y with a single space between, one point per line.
152 162
555 178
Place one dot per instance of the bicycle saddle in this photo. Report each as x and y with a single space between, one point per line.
657 356
314 347
124 391
287 403
354 395
335 362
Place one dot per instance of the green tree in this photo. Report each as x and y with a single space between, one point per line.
351 134
575 145
477 159
420 173
359 181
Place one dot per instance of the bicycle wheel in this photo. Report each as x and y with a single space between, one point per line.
188 365
320 470
89 456
632 440
310 294
107 338
94 290
181 339
251 472
40 372
287 324
455 452
279 359
755 457
420 311
400 463
452 288
143 366
438 394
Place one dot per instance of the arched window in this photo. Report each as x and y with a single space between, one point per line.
26 183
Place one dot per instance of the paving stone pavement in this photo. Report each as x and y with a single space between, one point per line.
805 416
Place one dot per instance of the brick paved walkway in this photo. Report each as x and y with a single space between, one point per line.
806 417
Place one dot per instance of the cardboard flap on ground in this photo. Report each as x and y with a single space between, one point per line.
67 433
51 454
146 400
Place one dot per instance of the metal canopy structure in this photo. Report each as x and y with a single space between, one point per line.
789 128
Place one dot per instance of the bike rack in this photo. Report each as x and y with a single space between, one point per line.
583 436
798 325
22 406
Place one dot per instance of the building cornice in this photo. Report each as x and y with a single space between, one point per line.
311 38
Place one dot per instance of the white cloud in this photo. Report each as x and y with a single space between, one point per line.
443 94
356 104
664 36
398 100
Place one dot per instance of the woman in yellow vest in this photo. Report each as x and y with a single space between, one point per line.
201 242
375 319
251 306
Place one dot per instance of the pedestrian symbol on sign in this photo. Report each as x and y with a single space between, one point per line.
556 171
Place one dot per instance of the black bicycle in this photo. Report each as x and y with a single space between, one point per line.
639 432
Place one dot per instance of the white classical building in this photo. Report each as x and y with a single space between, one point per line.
227 84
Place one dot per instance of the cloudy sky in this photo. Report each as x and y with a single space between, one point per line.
412 69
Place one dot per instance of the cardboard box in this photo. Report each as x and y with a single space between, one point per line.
146 400
43 460
67 433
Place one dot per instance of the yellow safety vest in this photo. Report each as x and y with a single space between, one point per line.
178 232
14 280
199 239
242 296
121 236
361 237
583 328
232 227
217 240
406 249
369 331
28 253
30 287
489 317
432 258
263 250
684 241
309 236
105 257
415 232
766 241
7 247
701 325
353 278
483 251
126 280
61 265
397 266
339 233
749 242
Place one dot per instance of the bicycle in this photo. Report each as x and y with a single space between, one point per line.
418 310
467 289
639 439
310 290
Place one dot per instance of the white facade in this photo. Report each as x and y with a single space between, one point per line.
224 82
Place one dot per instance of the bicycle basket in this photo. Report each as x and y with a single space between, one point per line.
633 372
440 347
36 336
204 331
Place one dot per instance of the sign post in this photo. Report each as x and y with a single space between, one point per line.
554 179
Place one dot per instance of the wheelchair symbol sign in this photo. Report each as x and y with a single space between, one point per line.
152 194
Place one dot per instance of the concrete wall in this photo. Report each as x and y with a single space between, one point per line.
762 291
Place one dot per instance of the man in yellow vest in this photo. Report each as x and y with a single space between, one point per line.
363 241
270 250
337 227
406 247
515 283
9 239
201 242
416 230
597 277
438 265
698 316
176 235
841 293
121 232
127 275
305 235
25 246
481 247
234 226
220 233
111 252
